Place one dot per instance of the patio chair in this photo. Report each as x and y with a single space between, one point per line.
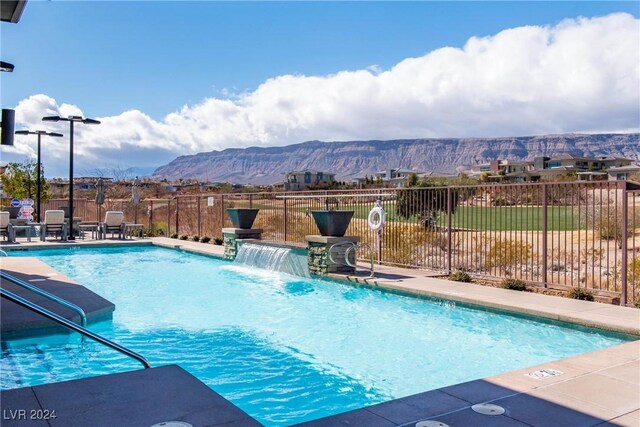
113 223
5 226
54 224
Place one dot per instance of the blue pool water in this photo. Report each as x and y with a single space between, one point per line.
283 348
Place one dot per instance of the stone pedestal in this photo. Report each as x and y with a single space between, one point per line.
318 254
232 235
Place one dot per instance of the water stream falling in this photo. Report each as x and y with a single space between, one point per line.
272 258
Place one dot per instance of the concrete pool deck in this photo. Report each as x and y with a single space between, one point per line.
597 388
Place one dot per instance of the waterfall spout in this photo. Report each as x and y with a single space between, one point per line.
272 258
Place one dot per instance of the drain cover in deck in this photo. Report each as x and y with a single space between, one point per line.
488 409
431 423
172 424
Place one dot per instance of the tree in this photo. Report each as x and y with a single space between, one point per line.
20 181
427 202
412 180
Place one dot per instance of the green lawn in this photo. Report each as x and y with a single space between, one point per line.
490 218
505 218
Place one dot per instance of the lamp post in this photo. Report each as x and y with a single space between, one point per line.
71 120
39 184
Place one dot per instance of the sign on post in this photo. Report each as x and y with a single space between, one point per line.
26 208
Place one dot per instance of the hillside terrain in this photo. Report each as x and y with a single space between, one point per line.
350 159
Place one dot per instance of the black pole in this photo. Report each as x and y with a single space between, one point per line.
38 182
71 236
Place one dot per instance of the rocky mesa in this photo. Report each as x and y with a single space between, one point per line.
349 159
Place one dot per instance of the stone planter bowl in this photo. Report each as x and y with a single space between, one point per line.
332 223
242 217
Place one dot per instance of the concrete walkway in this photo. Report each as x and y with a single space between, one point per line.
601 388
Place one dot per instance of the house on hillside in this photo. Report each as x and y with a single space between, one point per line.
301 180
622 173
387 178
547 168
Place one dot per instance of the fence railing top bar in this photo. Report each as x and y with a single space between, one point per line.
323 196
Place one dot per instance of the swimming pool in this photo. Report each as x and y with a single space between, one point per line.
283 348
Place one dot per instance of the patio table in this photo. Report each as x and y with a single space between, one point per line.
128 229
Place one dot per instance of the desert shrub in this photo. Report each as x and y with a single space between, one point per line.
581 294
196 238
160 228
460 276
514 284
218 240
174 236
605 219
184 237
205 239
506 253
633 276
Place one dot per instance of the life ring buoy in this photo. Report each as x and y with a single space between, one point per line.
376 224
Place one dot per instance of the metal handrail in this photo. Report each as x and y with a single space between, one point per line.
3 253
70 325
52 297
353 247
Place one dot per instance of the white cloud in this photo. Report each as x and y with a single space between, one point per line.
582 75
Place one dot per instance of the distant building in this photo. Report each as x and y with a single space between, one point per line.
393 177
398 177
545 168
622 173
301 180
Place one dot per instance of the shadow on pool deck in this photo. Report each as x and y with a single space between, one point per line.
135 398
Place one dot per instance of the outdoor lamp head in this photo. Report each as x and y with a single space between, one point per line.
51 118
5 66
91 122
23 132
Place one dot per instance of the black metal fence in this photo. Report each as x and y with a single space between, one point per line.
565 235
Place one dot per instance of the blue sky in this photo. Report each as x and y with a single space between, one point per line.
172 78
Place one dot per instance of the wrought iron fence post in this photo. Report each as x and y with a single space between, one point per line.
544 234
150 209
623 244
250 201
449 231
177 215
199 218
168 218
286 224
221 214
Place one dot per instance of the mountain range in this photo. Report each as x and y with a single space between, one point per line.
350 159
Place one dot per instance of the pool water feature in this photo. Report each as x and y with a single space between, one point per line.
272 258
285 349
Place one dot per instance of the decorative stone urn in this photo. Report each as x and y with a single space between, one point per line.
242 217
332 223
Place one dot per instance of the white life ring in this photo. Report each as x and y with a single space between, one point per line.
381 216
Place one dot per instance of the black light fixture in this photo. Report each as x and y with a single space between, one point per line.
6 67
71 120
39 183
8 123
